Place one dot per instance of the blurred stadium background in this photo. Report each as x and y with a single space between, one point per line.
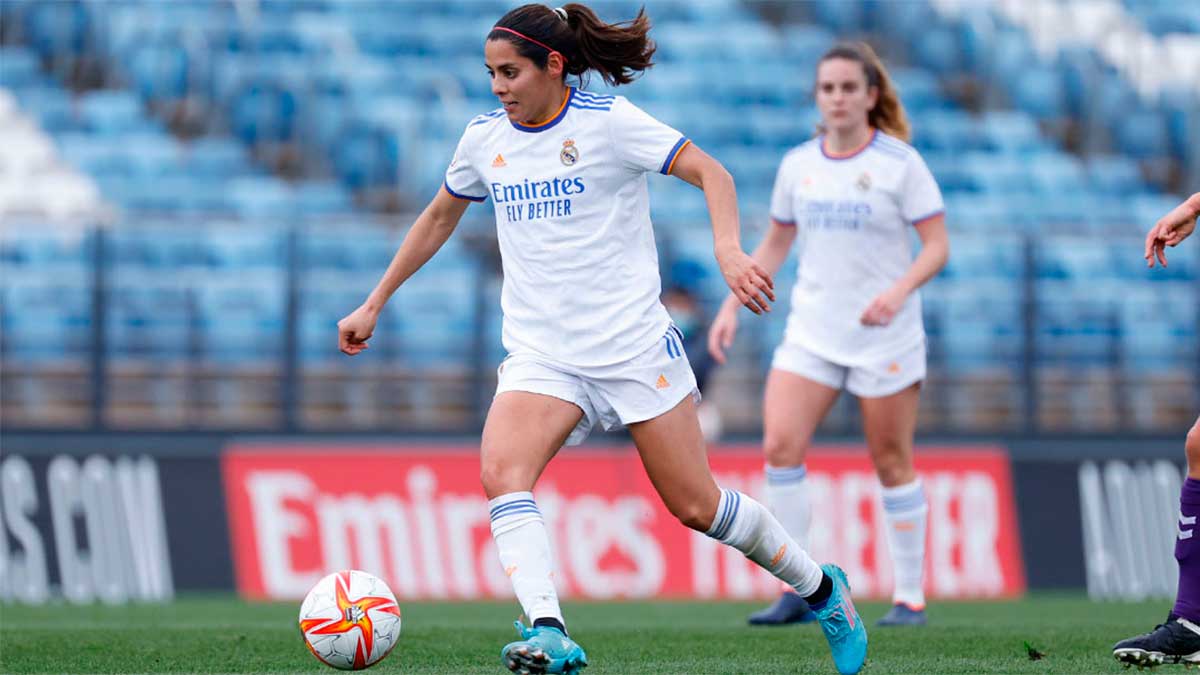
192 193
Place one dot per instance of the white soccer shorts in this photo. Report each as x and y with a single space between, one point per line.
881 377
648 385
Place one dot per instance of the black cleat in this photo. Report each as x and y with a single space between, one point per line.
789 608
1173 642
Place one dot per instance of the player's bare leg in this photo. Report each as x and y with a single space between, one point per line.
793 407
522 433
672 450
889 424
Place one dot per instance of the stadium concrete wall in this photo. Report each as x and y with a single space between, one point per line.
141 517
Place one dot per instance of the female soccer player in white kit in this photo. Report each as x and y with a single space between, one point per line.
851 194
588 340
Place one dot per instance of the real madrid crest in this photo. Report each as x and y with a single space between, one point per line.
569 154
864 182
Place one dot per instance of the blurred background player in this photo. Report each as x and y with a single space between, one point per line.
1178 639
854 191
588 338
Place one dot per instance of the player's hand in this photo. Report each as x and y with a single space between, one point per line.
750 283
1169 231
722 331
356 329
883 308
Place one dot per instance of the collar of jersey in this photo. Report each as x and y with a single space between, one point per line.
542 126
853 153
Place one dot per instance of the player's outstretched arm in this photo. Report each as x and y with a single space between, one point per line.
771 253
1172 229
746 278
431 229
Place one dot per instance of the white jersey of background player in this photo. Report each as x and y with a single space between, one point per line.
589 341
852 196
854 214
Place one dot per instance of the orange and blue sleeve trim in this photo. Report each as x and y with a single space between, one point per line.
669 162
928 217
452 193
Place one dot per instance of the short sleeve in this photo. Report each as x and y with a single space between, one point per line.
462 177
920 199
642 142
783 208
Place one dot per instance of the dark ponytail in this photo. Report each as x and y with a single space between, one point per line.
618 51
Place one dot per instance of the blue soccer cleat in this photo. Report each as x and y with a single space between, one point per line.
789 608
842 625
903 615
542 649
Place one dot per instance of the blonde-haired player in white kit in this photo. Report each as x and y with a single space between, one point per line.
852 195
588 340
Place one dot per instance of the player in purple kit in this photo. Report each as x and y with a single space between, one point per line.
1177 640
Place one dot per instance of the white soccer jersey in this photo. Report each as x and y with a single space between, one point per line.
581 280
853 212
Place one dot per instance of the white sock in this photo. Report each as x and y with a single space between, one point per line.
787 496
749 527
524 547
907 512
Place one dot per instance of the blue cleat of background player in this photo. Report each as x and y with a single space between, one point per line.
902 615
842 625
789 608
542 649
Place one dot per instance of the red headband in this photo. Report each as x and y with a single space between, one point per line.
547 47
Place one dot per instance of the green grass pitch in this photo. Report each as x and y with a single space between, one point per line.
223 635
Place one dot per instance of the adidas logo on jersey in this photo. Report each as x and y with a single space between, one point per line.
662 382
499 161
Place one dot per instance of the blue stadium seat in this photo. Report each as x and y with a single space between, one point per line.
149 320
262 197
1143 134
159 71
241 320
20 67
45 318
1114 175
112 112
1073 260
1011 132
1077 322
1039 91
974 333
1055 175
1158 333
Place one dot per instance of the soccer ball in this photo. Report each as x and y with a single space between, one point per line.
350 620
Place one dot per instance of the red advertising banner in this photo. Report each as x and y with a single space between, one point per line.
417 517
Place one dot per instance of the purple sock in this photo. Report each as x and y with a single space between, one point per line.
1187 552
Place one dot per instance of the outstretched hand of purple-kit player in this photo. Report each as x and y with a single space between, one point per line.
1172 229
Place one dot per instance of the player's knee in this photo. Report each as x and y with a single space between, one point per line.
499 478
782 451
694 514
893 464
